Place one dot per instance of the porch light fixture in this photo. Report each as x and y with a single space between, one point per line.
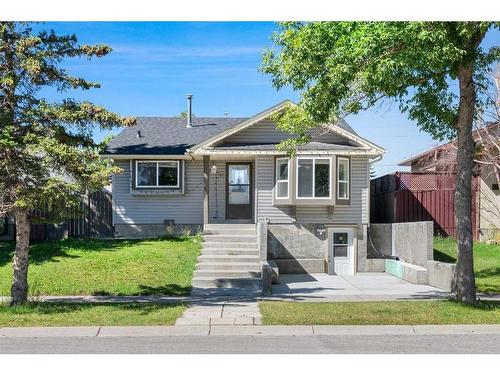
213 169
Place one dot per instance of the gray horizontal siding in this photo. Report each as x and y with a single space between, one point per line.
264 172
356 212
319 135
266 132
263 132
184 208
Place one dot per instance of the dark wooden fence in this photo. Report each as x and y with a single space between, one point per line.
412 196
95 223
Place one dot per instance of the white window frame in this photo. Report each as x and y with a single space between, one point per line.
340 244
314 158
339 159
157 174
287 180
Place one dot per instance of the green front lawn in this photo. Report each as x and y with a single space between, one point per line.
106 267
486 262
378 313
84 314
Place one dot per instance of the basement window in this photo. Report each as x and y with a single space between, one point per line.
153 174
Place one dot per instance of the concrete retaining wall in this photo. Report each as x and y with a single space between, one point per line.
409 272
155 230
375 265
303 248
297 248
441 275
411 242
296 241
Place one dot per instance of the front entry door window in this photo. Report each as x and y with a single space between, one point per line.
239 191
341 252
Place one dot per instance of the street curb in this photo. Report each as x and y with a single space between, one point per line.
223 330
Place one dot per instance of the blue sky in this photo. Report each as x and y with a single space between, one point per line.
154 64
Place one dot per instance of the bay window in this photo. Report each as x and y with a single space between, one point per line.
282 178
343 178
313 177
154 174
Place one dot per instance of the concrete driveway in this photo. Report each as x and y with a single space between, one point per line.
361 287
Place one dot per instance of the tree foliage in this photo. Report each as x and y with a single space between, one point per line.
437 72
47 154
341 68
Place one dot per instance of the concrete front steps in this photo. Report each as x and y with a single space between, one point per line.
229 263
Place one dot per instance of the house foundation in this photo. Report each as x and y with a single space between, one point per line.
156 230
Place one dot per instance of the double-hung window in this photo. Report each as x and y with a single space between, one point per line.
313 177
151 174
343 178
282 178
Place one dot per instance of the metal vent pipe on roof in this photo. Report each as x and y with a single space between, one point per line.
189 112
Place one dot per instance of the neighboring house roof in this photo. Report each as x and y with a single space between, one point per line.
170 136
425 154
436 151
167 135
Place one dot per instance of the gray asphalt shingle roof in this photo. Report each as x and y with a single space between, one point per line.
170 136
344 125
167 135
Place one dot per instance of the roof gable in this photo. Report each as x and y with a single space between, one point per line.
342 130
170 136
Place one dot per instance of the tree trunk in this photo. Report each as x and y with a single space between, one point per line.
465 287
19 290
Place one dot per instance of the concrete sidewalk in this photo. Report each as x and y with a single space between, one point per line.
221 330
239 311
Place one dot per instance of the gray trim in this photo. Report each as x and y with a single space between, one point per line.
206 189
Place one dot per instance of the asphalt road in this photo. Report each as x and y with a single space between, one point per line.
440 344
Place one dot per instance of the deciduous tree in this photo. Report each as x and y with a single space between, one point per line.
436 71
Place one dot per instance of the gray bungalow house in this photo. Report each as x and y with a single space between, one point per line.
225 177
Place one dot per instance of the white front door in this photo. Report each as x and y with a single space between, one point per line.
341 251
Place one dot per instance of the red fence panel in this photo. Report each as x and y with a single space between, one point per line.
410 196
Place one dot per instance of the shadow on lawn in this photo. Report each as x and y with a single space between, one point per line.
442 257
486 286
46 251
146 290
48 308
